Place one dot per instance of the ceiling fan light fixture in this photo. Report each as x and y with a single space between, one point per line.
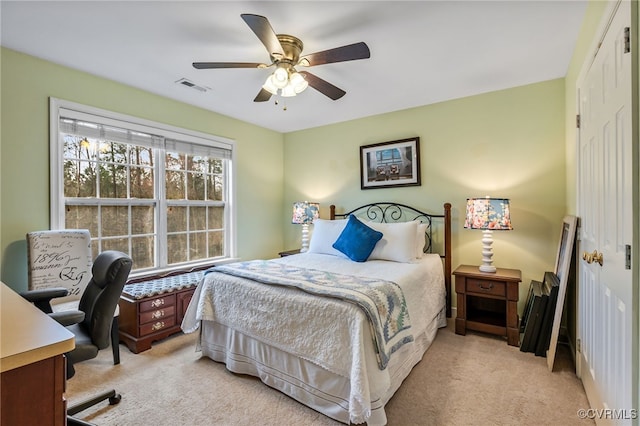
280 77
297 81
288 91
269 86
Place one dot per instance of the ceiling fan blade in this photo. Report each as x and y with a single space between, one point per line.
262 28
323 86
349 52
215 65
263 96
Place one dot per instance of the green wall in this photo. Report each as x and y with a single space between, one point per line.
508 143
27 83
516 143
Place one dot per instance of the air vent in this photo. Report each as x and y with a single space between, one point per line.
190 84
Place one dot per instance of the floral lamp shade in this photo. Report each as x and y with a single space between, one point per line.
488 214
305 213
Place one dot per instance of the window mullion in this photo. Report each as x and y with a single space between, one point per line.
228 219
161 211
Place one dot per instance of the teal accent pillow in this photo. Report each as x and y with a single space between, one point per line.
357 240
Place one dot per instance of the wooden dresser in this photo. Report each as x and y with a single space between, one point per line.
153 309
33 379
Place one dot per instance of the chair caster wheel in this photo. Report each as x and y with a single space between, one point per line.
115 399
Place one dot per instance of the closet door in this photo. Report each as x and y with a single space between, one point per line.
605 338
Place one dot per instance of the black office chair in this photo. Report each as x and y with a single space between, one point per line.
91 325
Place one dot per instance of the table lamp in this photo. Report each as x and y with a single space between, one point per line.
488 214
305 213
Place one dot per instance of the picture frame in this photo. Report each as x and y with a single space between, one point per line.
563 265
390 164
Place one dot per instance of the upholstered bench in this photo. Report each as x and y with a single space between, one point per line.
153 308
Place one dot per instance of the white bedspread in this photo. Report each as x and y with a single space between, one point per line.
319 330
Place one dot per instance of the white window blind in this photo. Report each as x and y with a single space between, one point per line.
197 149
94 130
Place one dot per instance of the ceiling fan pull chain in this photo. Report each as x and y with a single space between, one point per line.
276 103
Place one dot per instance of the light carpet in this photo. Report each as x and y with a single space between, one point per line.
462 380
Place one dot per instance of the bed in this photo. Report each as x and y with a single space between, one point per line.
328 328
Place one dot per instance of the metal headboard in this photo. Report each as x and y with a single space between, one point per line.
388 212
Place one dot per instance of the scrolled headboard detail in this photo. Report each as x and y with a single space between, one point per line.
438 232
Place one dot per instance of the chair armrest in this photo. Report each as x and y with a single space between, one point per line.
44 293
42 297
67 318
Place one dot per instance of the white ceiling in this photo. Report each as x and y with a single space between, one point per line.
422 52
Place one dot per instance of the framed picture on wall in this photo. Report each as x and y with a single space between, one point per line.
389 164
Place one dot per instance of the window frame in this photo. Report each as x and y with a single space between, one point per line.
92 114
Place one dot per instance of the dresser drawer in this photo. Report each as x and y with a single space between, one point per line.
158 325
158 303
494 288
158 314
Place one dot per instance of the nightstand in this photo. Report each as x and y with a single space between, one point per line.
488 302
288 252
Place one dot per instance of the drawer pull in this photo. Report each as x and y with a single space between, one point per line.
157 302
157 326
485 288
158 314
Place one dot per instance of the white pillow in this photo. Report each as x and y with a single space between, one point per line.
398 243
421 239
325 233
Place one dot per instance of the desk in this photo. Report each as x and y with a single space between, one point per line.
32 363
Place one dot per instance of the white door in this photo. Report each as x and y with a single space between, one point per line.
605 233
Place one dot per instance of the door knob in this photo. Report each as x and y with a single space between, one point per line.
597 257
593 257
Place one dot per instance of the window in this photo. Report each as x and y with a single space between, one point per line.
161 194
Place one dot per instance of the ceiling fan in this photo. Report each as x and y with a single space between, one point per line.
284 52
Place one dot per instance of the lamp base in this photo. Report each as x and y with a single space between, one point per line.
305 238
487 252
487 268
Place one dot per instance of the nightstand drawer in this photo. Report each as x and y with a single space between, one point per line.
494 288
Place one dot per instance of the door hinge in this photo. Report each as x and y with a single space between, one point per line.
627 40
578 345
578 121
627 256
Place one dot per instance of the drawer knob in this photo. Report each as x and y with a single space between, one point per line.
157 326
482 287
157 302
158 314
